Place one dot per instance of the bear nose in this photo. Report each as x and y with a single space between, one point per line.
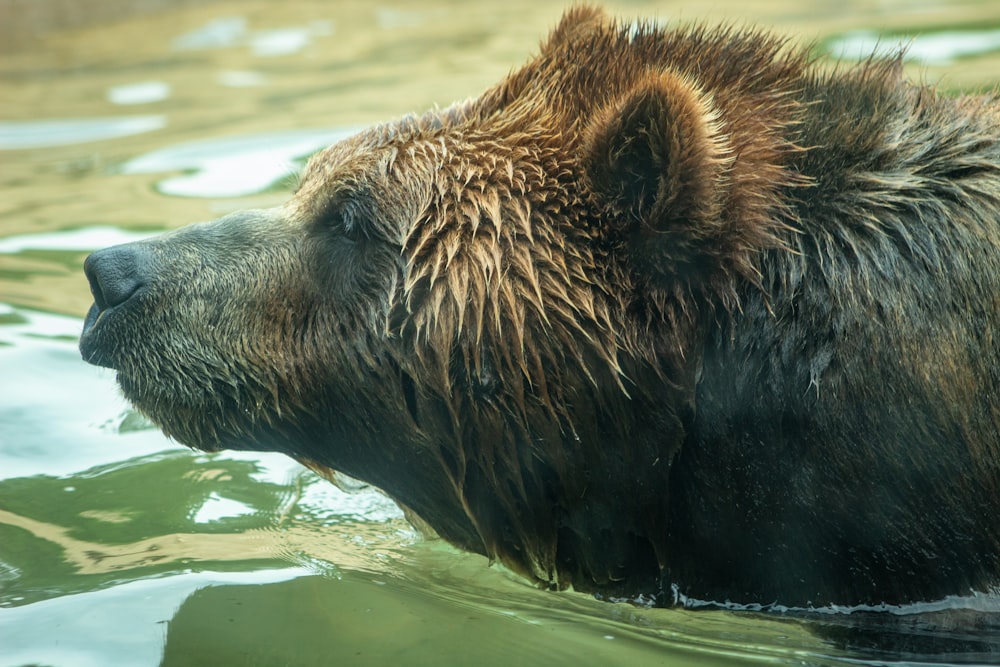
116 273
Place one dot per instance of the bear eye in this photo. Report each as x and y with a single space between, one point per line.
346 216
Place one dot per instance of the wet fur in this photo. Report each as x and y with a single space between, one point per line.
667 312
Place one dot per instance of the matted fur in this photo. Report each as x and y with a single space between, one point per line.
666 312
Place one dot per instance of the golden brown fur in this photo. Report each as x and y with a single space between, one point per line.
665 312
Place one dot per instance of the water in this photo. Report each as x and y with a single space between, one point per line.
119 548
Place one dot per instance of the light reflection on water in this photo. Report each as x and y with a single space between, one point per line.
234 166
936 48
83 240
116 547
129 619
66 132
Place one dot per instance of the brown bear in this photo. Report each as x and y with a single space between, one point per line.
670 313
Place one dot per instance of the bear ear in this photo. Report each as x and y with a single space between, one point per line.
657 161
576 23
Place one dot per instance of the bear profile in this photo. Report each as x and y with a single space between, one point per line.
667 312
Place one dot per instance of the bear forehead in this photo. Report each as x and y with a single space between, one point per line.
371 156
348 164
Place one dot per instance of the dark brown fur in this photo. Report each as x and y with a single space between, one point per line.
665 312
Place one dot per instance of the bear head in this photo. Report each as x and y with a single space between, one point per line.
493 312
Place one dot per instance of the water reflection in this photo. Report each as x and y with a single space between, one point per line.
233 31
931 48
123 624
207 510
143 92
234 166
48 133
72 240
366 621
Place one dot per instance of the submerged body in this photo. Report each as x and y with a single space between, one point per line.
664 313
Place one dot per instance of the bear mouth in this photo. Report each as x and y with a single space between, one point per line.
90 339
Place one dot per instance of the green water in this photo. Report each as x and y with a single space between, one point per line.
117 547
